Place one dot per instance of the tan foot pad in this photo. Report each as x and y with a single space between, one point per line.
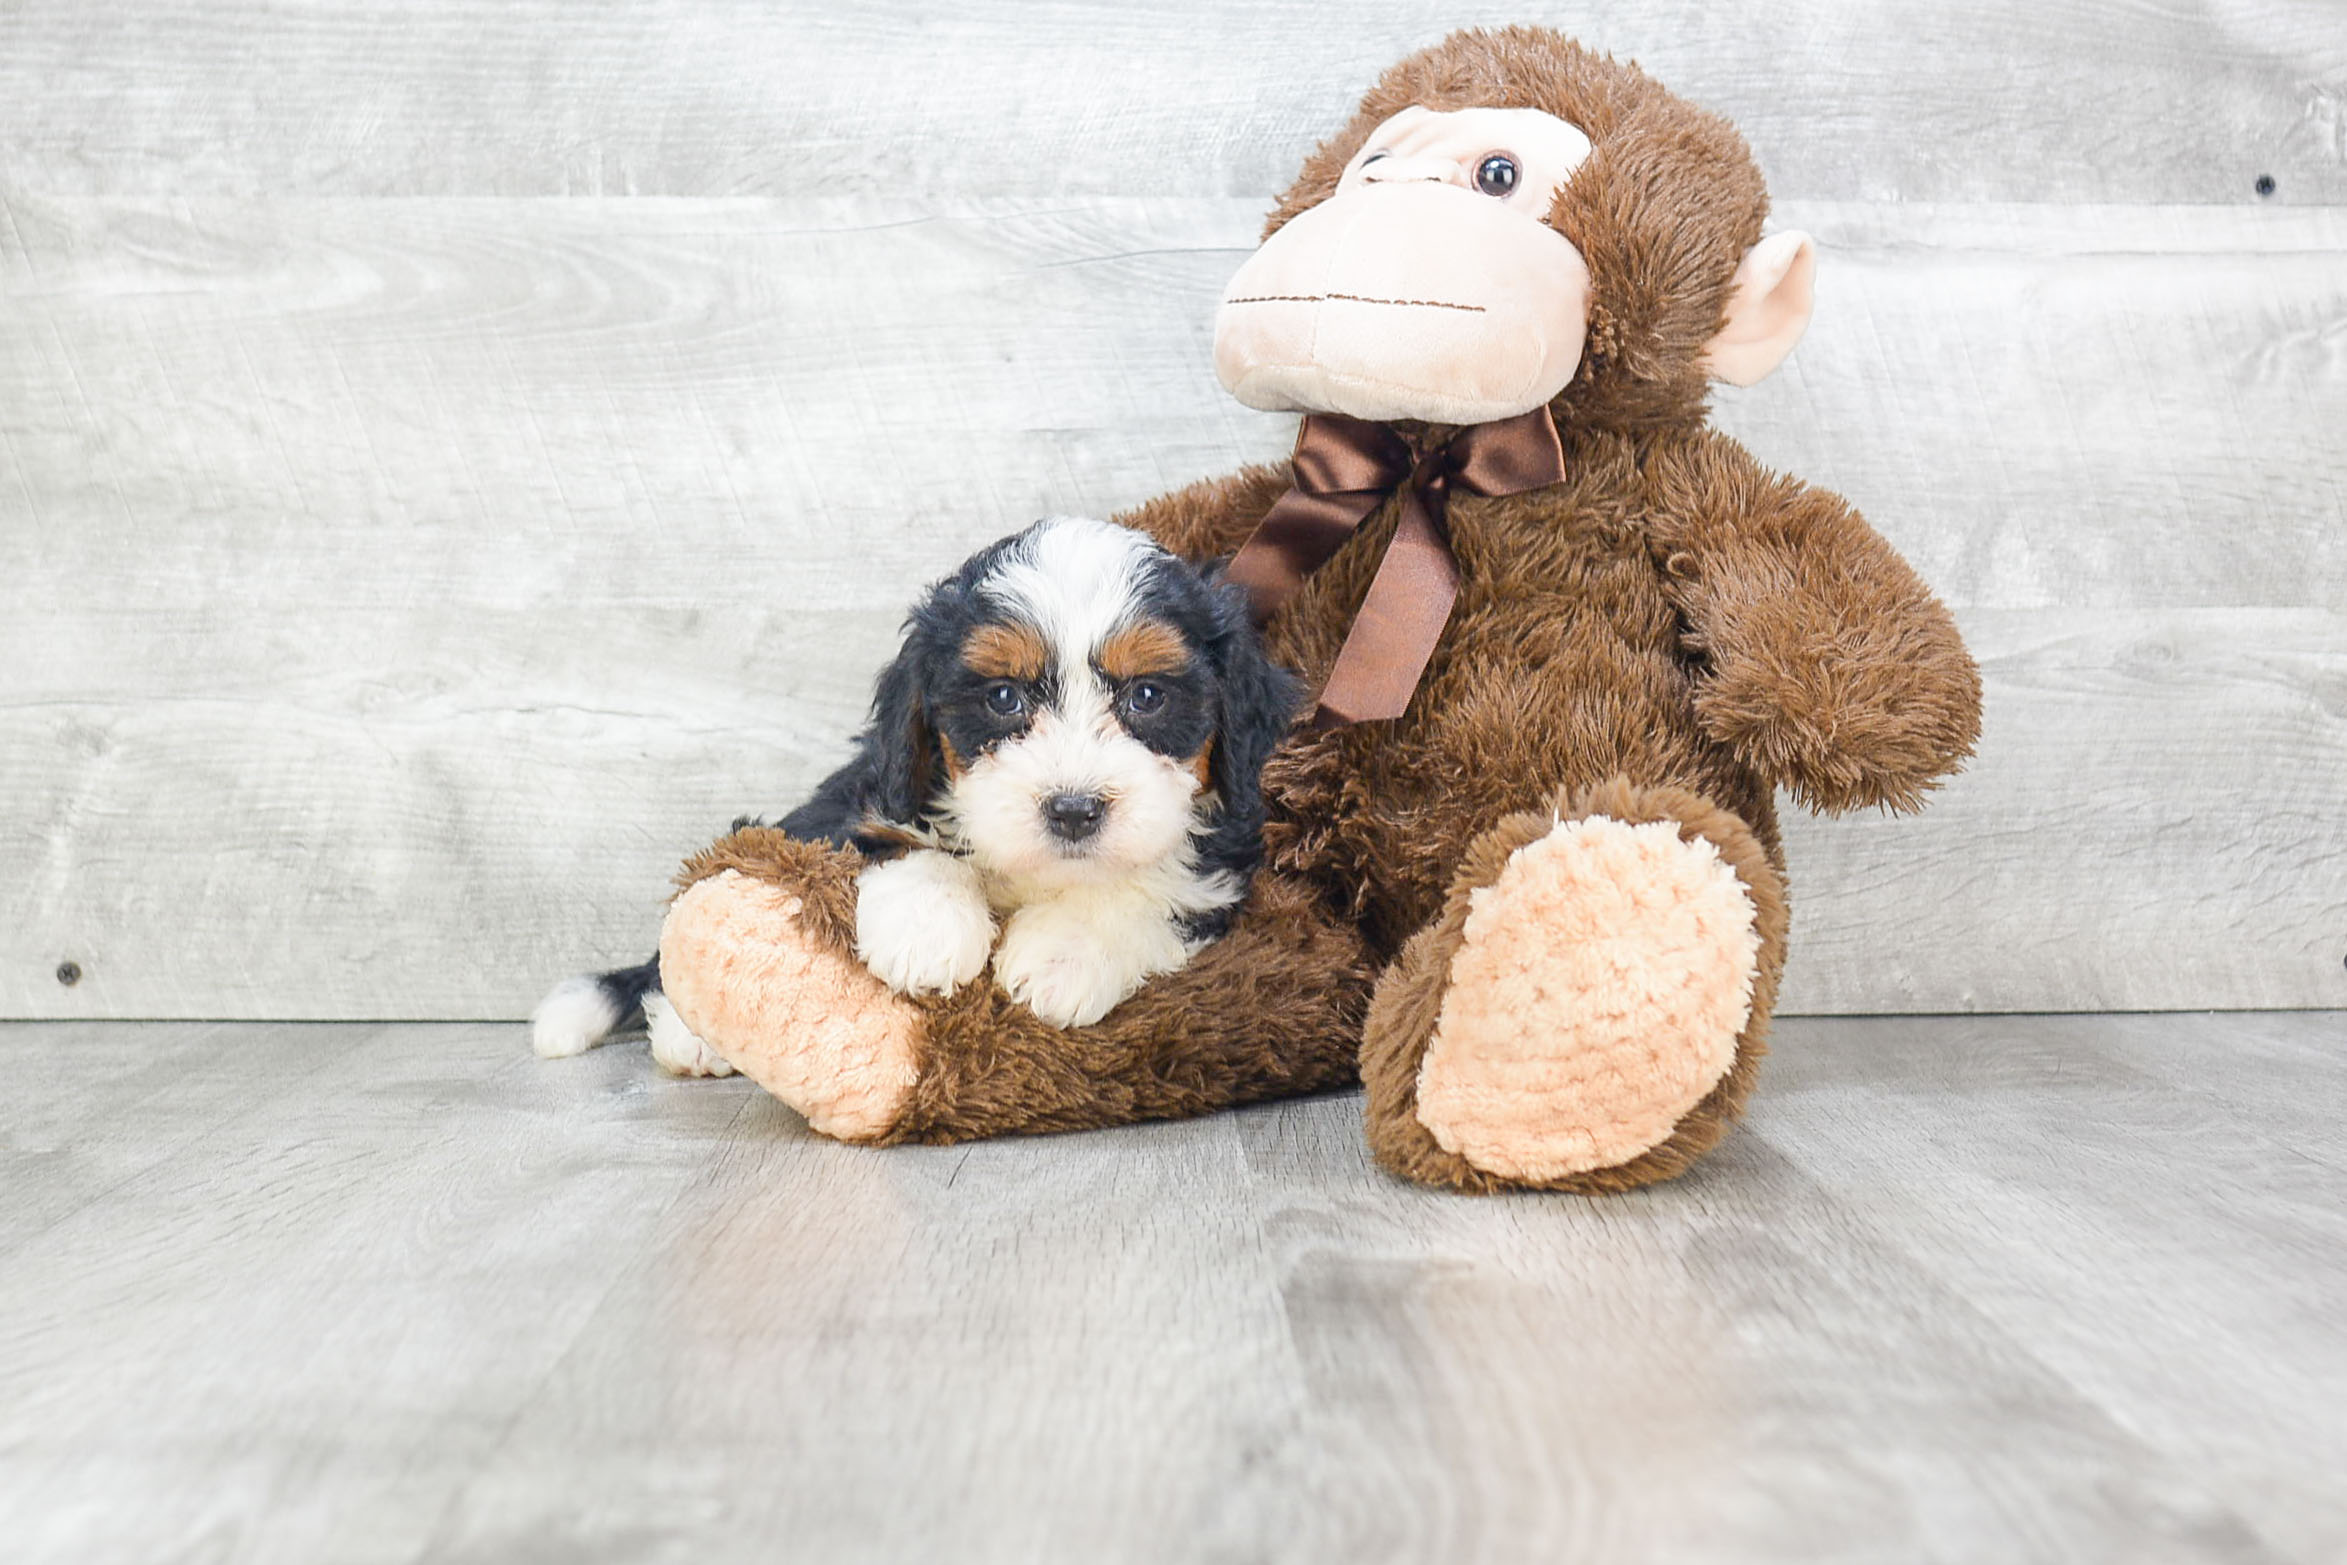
1596 997
809 1024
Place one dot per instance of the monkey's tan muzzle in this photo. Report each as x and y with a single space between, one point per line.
1409 300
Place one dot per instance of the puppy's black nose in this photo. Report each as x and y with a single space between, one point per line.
1074 816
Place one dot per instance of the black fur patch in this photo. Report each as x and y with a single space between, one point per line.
1256 703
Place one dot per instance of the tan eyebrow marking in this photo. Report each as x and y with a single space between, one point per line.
1006 652
1145 647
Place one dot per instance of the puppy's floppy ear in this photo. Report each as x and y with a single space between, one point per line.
1259 705
900 748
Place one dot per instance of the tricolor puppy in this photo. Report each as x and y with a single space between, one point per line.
1066 757
1062 773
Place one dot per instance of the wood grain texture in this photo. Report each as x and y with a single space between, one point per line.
1969 100
2153 819
372 1263
401 587
2013 1289
2168 1132
2094 407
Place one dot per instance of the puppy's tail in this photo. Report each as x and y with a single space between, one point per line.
581 1012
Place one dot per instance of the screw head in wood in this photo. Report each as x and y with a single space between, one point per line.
2265 184
69 973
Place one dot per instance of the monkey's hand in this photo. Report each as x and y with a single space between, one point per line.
1828 666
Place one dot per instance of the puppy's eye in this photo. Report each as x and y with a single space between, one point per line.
1004 700
1496 175
1145 698
1373 157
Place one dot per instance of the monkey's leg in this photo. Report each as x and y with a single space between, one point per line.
1590 1009
758 957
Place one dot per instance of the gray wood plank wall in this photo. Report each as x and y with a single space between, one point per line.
455 455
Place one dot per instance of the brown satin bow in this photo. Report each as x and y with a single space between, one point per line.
1343 468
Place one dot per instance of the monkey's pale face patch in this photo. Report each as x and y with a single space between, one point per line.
1458 147
1429 285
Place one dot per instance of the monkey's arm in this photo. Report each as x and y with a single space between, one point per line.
1829 666
1212 516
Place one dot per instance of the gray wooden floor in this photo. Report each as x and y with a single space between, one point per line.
1991 1290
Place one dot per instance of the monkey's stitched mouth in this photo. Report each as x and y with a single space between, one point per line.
1356 298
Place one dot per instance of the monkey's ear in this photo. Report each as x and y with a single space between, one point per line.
1768 309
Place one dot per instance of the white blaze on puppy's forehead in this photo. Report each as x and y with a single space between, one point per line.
1077 581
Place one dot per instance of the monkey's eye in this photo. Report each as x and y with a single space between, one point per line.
1145 698
1004 700
1496 175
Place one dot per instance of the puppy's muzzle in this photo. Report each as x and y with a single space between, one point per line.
1073 817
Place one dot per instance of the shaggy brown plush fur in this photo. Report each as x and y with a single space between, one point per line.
988 1066
1669 634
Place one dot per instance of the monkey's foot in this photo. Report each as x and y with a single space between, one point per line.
761 973
1575 1017
1595 999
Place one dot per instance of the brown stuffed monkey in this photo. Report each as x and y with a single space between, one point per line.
1523 875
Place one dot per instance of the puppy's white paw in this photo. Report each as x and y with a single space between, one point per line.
1072 960
674 1048
922 923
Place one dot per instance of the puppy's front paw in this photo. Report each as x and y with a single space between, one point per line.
922 923
1071 962
675 1049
